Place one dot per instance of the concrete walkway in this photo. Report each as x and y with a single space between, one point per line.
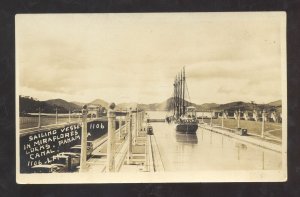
249 139
97 162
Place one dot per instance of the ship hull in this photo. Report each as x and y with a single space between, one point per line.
186 128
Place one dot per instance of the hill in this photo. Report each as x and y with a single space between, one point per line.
124 106
208 106
233 106
30 105
276 103
243 106
80 104
166 105
63 104
100 102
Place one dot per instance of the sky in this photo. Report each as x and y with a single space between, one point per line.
135 57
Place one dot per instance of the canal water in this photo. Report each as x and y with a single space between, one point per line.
207 150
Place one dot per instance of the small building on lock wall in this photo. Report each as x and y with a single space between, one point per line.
93 111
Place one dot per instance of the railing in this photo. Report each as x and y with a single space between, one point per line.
117 143
53 126
121 153
259 129
36 121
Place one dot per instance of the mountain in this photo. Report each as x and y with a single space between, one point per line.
166 105
233 106
169 105
78 103
124 106
243 106
208 106
100 102
64 104
134 105
276 103
29 105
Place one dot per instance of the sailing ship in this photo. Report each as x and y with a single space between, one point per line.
184 116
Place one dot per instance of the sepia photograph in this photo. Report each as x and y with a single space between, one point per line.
151 97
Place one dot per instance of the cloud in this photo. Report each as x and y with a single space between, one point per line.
225 90
119 57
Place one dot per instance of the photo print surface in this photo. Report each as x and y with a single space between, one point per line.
151 97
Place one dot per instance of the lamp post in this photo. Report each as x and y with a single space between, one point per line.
111 116
263 124
129 137
83 154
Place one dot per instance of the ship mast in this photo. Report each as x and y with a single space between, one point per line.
179 93
183 86
174 98
180 100
177 96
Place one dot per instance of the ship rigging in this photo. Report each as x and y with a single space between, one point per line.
184 115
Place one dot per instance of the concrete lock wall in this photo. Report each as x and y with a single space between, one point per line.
39 147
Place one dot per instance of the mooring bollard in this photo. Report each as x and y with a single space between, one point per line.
111 116
83 154
263 124
129 138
